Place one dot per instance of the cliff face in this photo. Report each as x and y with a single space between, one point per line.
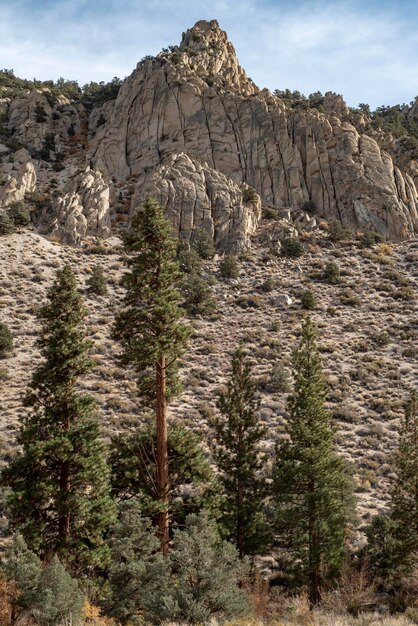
190 127
197 100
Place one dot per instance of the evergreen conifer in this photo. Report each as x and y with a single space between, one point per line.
312 488
60 488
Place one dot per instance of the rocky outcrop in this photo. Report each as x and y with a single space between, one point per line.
40 113
19 176
81 210
334 103
197 100
194 196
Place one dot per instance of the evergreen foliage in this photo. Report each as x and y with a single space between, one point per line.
208 577
59 598
250 196
369 239
23 567
308 300
268 285
6 340
48 594
279 381
338 232
97 281
197 294
331 273
149 324
229 267
134 469
237 438
292 247
138 573
150 330
309 206
190 261
311 484
404 492
6 224
60 490
381 551
19 213
202 243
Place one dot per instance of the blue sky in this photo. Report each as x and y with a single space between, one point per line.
366 50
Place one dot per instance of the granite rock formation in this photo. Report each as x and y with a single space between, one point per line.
81 210
196 100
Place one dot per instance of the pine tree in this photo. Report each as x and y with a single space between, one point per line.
59 599
22 567
97 281
138 572
404 493
237 437
60 489
207 578
311 485
134 470
150 331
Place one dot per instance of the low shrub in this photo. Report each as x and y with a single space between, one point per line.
369 239
292 247
97 281
338 232
189 261
197 293
331 273
6 340
202 243
249 195
349 298
269 284
6 224
229 267
279 381
309 206
308 300
382 339
19 213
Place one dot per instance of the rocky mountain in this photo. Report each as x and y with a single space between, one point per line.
190 127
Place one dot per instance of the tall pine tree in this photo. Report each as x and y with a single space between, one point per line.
236 451
311 484
404 493
60 488
150 331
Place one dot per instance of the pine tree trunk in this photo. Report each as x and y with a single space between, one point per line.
162 455
314 563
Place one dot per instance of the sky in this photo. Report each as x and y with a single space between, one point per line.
366 50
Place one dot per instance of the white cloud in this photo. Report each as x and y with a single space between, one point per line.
365 52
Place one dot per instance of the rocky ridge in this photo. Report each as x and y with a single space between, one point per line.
192 112
176 103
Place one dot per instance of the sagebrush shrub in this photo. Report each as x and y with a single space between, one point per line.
292 247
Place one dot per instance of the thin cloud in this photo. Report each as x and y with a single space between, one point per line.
365 50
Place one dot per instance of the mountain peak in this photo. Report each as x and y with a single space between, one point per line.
212 56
